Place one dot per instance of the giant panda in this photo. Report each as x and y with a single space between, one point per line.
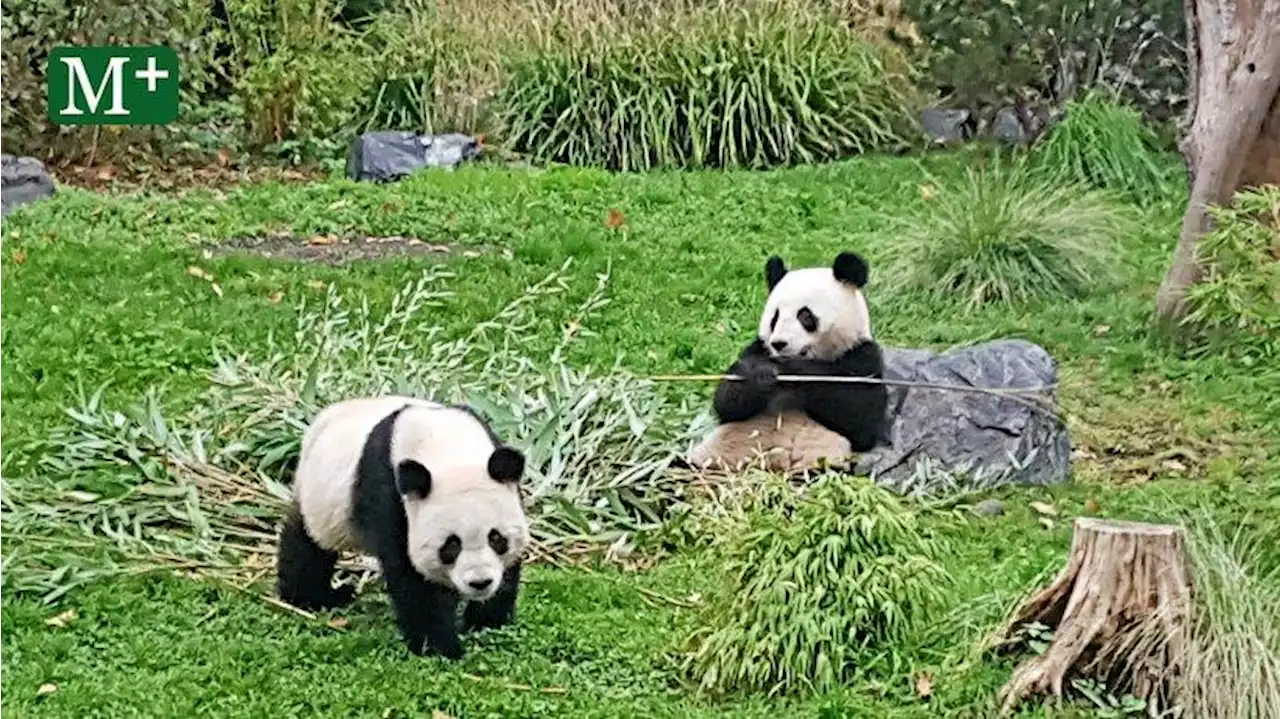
428 490
815 322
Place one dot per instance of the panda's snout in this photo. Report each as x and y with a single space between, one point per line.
778 345
480 584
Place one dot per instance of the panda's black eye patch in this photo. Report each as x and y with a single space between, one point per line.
774 322
450 550
808 320
497 542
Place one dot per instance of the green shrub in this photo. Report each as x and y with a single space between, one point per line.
1009 234
1002 52
32 28
1105 144
1239 297
768 84
812 581
301 76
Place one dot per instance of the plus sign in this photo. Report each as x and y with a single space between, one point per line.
151 74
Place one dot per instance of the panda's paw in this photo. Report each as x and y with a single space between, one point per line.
762 374
449 649
342 596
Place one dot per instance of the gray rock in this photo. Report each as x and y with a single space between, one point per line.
989 508
22 180
939 437
943 126
392 154
1008 126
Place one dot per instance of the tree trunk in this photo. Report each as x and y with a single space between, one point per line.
1123 580
1233 49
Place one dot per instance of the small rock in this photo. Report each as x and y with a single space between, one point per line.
945 126
989 508
1008 126
22 180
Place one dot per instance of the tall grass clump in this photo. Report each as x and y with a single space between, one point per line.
147 487
1008 234
1225 661
1106 144
1239 297
813 583
754 85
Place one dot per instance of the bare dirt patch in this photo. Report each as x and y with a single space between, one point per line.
336 250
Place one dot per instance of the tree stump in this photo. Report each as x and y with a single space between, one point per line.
1123 579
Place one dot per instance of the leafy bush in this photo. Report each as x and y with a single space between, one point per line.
300 76
1010 234
718 86
811 581
1239 297
999 53
1105 144
31 29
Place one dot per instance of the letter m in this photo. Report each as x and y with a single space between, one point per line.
78 76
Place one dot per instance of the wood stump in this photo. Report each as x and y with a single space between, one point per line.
1118 611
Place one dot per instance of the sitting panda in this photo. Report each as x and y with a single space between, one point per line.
427 489
815 322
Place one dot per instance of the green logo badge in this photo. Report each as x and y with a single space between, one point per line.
112 85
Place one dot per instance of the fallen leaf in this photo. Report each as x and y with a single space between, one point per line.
216 289
46 689
437 714
1091 506
19 257
338 622
1048 523
61 620
614 219
924 685
927 192
275 297
224 157
338 205
199 272
1100 330
315 284
320 240
207 254
1045 509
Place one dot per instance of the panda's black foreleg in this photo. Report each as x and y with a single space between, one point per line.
426 613
304 569
739 400
856 411
500 610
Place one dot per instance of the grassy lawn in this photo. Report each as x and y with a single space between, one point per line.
97 290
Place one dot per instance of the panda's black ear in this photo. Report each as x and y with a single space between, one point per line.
850 268
412 479
506 464
774 270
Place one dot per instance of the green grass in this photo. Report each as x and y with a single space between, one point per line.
97 290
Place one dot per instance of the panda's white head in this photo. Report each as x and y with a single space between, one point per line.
815 312
465 518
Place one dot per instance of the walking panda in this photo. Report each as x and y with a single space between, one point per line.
431 492
815 322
